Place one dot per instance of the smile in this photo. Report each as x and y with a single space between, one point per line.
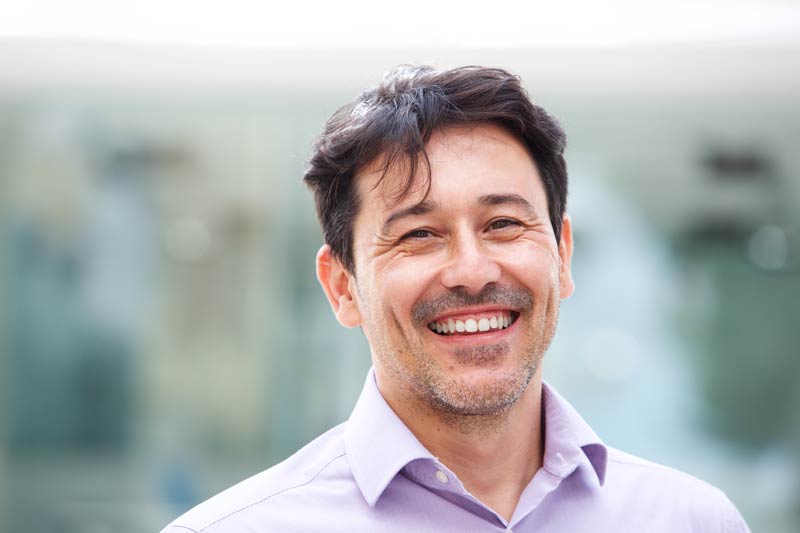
468 325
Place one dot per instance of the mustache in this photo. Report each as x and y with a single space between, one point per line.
492 294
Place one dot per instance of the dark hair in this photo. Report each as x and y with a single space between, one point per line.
395 120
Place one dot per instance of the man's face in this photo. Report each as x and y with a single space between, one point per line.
458 290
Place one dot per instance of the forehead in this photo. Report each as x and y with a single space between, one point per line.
465 161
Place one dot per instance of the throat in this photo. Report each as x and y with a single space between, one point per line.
494 459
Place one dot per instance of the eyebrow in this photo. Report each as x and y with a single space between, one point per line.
427 206
505 199
422 208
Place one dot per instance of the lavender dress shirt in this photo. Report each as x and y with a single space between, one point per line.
372 475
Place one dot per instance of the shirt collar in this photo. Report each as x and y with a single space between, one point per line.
378 444
568 437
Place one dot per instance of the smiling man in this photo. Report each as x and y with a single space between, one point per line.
442 197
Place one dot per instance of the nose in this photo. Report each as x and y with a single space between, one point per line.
469 265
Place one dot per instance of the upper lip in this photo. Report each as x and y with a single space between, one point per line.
464 311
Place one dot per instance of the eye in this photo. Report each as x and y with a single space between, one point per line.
417 234
503 223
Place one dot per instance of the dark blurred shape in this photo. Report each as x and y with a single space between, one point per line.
103 386
747 334
148 157
747 164
68 381
715 230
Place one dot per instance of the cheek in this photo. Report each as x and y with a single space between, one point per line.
537 272
404 284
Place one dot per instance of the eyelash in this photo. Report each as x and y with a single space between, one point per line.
413 234
506 222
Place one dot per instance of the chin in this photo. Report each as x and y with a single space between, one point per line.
480 391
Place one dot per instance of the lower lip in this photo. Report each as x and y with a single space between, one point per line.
486 337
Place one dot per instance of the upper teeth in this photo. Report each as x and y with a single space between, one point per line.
471 325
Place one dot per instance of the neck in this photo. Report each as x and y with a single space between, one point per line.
495 456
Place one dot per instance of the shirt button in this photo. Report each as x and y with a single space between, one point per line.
441 476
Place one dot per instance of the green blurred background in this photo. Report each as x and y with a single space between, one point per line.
162 333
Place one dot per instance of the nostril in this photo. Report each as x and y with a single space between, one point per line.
469 266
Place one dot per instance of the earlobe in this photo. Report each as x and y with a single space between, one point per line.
336 283
566 284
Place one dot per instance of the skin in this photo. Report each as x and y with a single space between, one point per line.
479 244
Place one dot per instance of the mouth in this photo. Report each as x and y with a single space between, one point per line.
473 323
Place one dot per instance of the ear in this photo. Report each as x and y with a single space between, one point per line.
565 254
339 287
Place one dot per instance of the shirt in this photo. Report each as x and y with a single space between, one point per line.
371 474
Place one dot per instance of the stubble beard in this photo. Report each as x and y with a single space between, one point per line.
474 404
471 406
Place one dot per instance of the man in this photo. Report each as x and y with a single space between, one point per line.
441 195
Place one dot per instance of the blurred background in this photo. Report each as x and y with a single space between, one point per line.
162 333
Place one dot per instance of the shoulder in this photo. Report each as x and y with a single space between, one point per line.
627 468
321 461
655 488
